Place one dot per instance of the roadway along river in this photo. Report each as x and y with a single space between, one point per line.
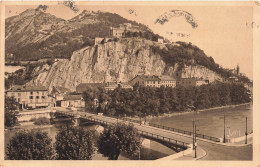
209 120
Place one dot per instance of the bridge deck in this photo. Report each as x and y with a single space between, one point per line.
179 140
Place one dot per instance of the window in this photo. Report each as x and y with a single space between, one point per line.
37 93
31 97
19 94
43 97
37 97
31 93
19 100
12 94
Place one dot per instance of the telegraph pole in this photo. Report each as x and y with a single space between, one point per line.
224 139
246 132
195 142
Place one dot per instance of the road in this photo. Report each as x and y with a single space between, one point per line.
215 151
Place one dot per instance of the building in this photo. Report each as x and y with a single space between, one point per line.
81 88
117 32
76 101
167 81
154 81
114 85
160 40
30 96
120 31
186 82
58 94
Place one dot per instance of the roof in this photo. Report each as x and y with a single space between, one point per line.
61 89
84 86
72 97
148 77
166 78
24 88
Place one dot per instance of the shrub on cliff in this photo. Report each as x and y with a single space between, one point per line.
30 145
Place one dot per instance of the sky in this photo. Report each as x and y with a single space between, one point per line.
224 29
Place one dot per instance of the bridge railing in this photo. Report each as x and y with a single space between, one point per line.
163 138
177 130
166 128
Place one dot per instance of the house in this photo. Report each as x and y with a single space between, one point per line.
76 101
30 96
167 81
117 32
114 85
58 93
120 31
186 82
154 81
160 40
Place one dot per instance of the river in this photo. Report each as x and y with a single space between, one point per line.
211 123
149 151
208 122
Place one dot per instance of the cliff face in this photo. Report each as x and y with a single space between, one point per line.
113 61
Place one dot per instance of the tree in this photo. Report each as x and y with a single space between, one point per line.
117 138
30 145
74 143
11 113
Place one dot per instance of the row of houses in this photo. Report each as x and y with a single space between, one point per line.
166 81
37 96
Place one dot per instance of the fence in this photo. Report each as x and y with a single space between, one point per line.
168 128
177 130
163 138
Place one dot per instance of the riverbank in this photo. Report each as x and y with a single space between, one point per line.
221 108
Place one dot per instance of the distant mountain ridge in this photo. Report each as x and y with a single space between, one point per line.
34 34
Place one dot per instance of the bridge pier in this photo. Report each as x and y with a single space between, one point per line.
76 121
146 142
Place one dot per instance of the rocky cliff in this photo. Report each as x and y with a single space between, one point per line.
113 61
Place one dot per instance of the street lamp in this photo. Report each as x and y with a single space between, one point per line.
196 141
224 139
193 132
140 153
246 132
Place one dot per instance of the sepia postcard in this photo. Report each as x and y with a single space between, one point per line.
129 83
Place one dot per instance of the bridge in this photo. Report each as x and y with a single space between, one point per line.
178 138
144 130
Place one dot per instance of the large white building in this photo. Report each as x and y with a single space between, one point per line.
30 96
154 81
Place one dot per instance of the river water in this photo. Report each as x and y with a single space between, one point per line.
150 150
208 122
211 123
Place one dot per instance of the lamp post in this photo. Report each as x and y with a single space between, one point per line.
139 153
224 139
196 141
193 142
193 132
246 132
